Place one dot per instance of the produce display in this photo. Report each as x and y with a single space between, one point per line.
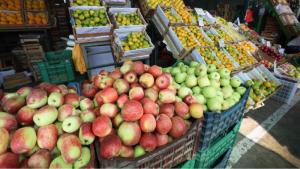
90 18
186 37
13 5
245 53
182 10
86 3
271 52
242 58
224 35
248 46
215 38
128 19
35 5
212 87
135 40
267 63
11 18
137 110
261 89
290 70
48 126
203 41
37 18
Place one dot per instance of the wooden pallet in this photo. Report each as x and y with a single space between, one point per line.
16 80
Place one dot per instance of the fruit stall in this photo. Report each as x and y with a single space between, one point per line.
126 110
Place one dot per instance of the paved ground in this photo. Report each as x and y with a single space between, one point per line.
269 137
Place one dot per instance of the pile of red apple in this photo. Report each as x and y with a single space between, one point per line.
46 126
137 110
271 52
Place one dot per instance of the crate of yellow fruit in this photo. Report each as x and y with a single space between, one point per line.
35 5
11 18
37 18
12 5
132 43
166 17
86 2
126 18
90 22
148 6
182 39
200 35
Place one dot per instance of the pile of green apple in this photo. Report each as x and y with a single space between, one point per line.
90 18
291 70
212 87
48 126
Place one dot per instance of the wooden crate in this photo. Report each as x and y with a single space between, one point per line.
16 80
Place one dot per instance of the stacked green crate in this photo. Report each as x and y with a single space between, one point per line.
57 68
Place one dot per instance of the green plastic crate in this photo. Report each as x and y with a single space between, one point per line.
186 164
56 72
208 157
59 55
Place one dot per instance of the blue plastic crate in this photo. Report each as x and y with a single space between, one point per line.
223 160
216 124
288 90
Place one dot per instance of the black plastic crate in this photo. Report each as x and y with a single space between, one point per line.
217 124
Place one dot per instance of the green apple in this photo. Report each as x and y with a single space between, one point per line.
236 96
224 73
184 91
241 90
203 81
225 105
225 82
227 91
176 85
184 68
138 151
235 82
201 70
180 77
214 76
71 124
215 83
190 71
45 115
200 98
204 108
194 64
180 64
59 162
175 70
191 81
211 68
214 104
196 90
84 159
209 92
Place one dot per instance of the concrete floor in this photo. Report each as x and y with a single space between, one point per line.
269 137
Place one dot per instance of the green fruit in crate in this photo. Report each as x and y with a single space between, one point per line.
128 19
89 18
134 41
196 90
214 104
138 151
180 77
184 91
191 81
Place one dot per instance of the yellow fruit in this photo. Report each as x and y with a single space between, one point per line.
186 37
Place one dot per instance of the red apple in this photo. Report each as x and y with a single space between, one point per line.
25 115
102 126
179 127
122 100
132 111
169 76
162 81
150 106
109 109
109 95
121 85
8 121
130 77
73 99
151 94
138 67
12 105
89 90
126 151
47 137
53 88
23 140
135 84
86 104
71 148
116 74
163 124
40 159
63 89
181 109
129 133
136 93
148 141
162 139
65 111
98 99
155 71
9 160
103 81
147 123
24 91
167 109
110 146
190 99
146 80
166 96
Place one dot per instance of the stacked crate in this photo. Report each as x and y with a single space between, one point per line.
34 52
